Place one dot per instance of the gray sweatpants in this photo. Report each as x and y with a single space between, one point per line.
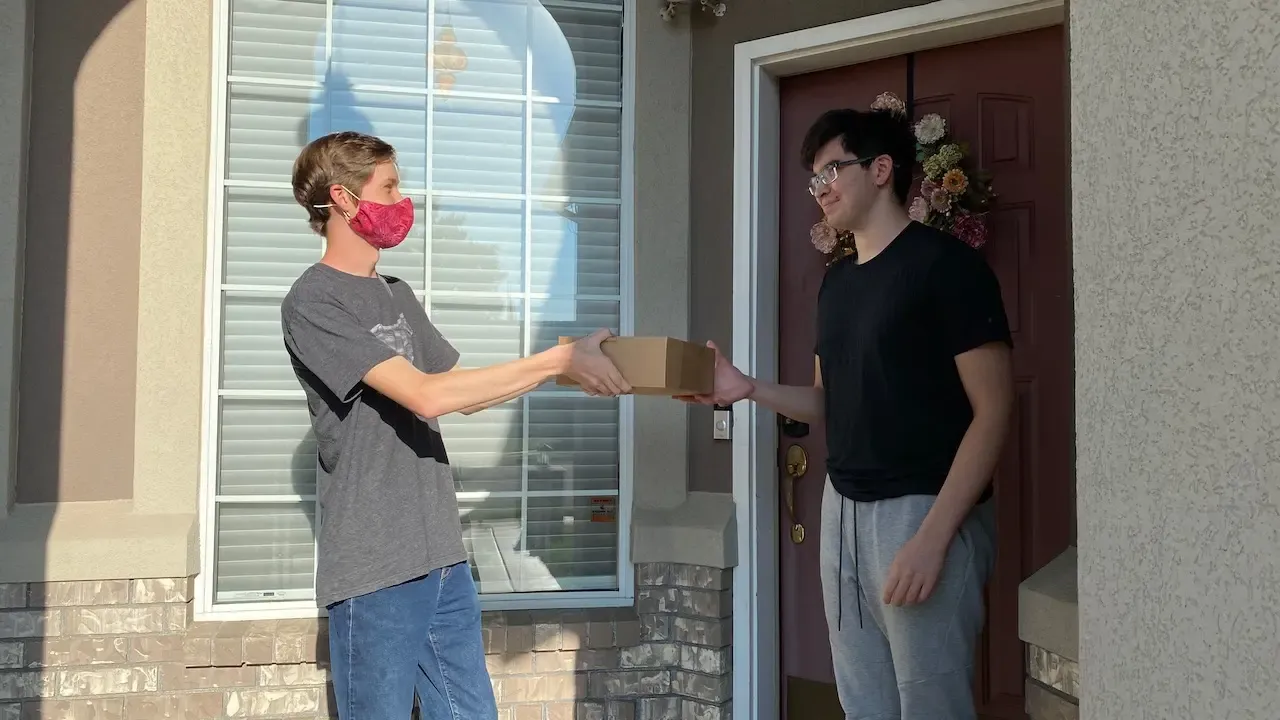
902 663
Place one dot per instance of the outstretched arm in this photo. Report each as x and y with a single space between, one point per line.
458 390
324 337
803 403
797 402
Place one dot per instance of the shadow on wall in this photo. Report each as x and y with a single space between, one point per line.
79 273
81 265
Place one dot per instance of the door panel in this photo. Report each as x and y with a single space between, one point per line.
808 682
1005 97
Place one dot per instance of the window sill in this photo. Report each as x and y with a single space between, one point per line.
56 542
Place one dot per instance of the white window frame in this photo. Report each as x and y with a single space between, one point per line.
204 607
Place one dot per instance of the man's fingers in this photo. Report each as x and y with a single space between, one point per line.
914 595
890 585
926 589
901 586
624 387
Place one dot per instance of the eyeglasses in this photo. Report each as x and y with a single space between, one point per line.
829 173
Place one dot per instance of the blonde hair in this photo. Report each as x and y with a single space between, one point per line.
341 158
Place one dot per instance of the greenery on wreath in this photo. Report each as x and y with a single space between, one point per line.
953 197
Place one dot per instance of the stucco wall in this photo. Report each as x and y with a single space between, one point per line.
75 433
711 196
1175 149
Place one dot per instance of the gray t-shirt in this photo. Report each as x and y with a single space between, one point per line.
389 512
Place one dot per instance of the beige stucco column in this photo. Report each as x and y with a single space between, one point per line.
153 533
1175 147
15 74
670 524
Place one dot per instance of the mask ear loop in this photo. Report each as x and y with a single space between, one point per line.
344 212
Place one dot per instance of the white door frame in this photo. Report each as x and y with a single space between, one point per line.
757 66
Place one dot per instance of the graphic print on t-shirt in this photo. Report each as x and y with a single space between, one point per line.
398 337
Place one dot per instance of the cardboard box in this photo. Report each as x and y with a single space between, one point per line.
658 365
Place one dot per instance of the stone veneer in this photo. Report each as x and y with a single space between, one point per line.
128 650
1053 685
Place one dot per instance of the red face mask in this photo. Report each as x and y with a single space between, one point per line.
382 226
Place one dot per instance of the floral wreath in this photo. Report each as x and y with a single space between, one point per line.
953 197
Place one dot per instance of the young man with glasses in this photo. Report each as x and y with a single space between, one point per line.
913 381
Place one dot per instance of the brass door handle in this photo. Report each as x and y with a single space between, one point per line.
797 464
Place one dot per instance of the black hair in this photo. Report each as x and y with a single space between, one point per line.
866 134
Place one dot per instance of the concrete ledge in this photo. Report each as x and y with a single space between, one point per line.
1049 608
702 531
95 541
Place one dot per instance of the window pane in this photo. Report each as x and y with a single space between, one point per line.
266 128
265 552
266 447
477 245
379 42
557 317
576 539
253 354
269 125
571 544
573 442
485 331
486 450
478 146
399 119
480 45
491 533
280 39
577 54
267 238
577 151
576 249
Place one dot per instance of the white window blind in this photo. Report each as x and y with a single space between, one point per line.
507 116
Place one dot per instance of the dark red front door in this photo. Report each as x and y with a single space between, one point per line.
1006 98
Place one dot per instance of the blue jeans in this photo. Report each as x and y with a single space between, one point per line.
421 637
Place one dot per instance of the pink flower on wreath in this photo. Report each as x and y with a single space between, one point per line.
927 187
823 237
972 229
919 209
940 200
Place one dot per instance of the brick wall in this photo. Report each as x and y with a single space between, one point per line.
1052 685
127 650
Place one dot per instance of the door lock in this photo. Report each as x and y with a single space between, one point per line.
797 464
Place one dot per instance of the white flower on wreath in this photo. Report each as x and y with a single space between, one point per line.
718 10
931 129
889 102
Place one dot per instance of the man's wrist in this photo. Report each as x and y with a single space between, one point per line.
937 530
559 359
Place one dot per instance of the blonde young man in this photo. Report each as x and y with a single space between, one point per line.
404 615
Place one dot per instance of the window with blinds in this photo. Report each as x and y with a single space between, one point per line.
507 116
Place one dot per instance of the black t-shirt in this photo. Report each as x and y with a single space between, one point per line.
888 334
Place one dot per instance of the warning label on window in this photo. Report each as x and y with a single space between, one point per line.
604 509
